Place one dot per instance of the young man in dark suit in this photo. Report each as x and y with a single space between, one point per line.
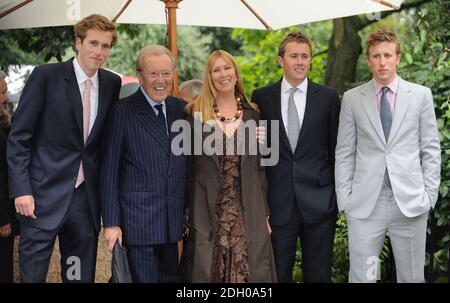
301 185
142 182
53 152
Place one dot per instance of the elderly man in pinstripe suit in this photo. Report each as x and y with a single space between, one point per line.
142 181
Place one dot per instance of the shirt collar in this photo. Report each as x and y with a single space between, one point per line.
285 86
150 100
81 75
392 86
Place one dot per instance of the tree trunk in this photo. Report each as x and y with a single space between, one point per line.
343 52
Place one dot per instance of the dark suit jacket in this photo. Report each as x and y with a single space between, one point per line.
7 209
46 145
305 177
142 183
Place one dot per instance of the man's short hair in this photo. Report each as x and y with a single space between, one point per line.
95 21
2 74
193 87
293 37
382 35
154 49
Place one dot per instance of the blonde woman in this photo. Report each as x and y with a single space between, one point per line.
229 237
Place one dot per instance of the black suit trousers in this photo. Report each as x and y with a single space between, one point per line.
77 238
316 241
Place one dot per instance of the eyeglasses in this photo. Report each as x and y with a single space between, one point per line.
155 74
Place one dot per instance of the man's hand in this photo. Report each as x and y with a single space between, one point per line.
25 206
5 231
268 226
112 234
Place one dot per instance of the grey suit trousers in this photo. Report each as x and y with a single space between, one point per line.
366 237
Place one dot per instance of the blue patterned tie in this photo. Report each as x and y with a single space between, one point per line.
293 125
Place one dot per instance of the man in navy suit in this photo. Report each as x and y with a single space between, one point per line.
53 156
301 185
142 182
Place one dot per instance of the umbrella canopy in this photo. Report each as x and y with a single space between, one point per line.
251 14
219 13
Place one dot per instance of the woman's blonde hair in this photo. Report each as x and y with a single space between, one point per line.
204 102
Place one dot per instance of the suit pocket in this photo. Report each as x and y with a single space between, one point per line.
36 174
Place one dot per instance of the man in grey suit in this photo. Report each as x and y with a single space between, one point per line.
387 165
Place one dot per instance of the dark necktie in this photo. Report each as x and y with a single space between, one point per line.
161 117
385 113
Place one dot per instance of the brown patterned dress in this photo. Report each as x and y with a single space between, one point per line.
230 256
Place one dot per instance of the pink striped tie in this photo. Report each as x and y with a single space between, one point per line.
86 117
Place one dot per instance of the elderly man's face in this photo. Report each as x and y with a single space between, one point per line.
156 76
3 95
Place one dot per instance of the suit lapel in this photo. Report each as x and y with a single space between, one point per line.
276 102
73 95
402 102
200 131
248 114
216 130
149 120
370 106
311 101
102 105
171 116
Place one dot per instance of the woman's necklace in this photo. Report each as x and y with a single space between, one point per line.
234 118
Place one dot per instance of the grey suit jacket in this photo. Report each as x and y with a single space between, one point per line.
412 153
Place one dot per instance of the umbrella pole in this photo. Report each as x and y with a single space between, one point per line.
13 9
171 7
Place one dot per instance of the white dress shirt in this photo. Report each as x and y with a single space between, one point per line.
153 103
299 99
81 78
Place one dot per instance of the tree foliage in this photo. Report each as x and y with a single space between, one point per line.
259 59
192 49
35 45
222 39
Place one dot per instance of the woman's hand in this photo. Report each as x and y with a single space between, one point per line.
261 134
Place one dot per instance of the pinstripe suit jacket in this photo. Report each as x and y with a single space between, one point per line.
142 183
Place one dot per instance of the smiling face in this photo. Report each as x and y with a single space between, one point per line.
383 61
296 62
223 75
156 76
93 50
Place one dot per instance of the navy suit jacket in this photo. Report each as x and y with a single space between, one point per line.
45 144
142 183
304 176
